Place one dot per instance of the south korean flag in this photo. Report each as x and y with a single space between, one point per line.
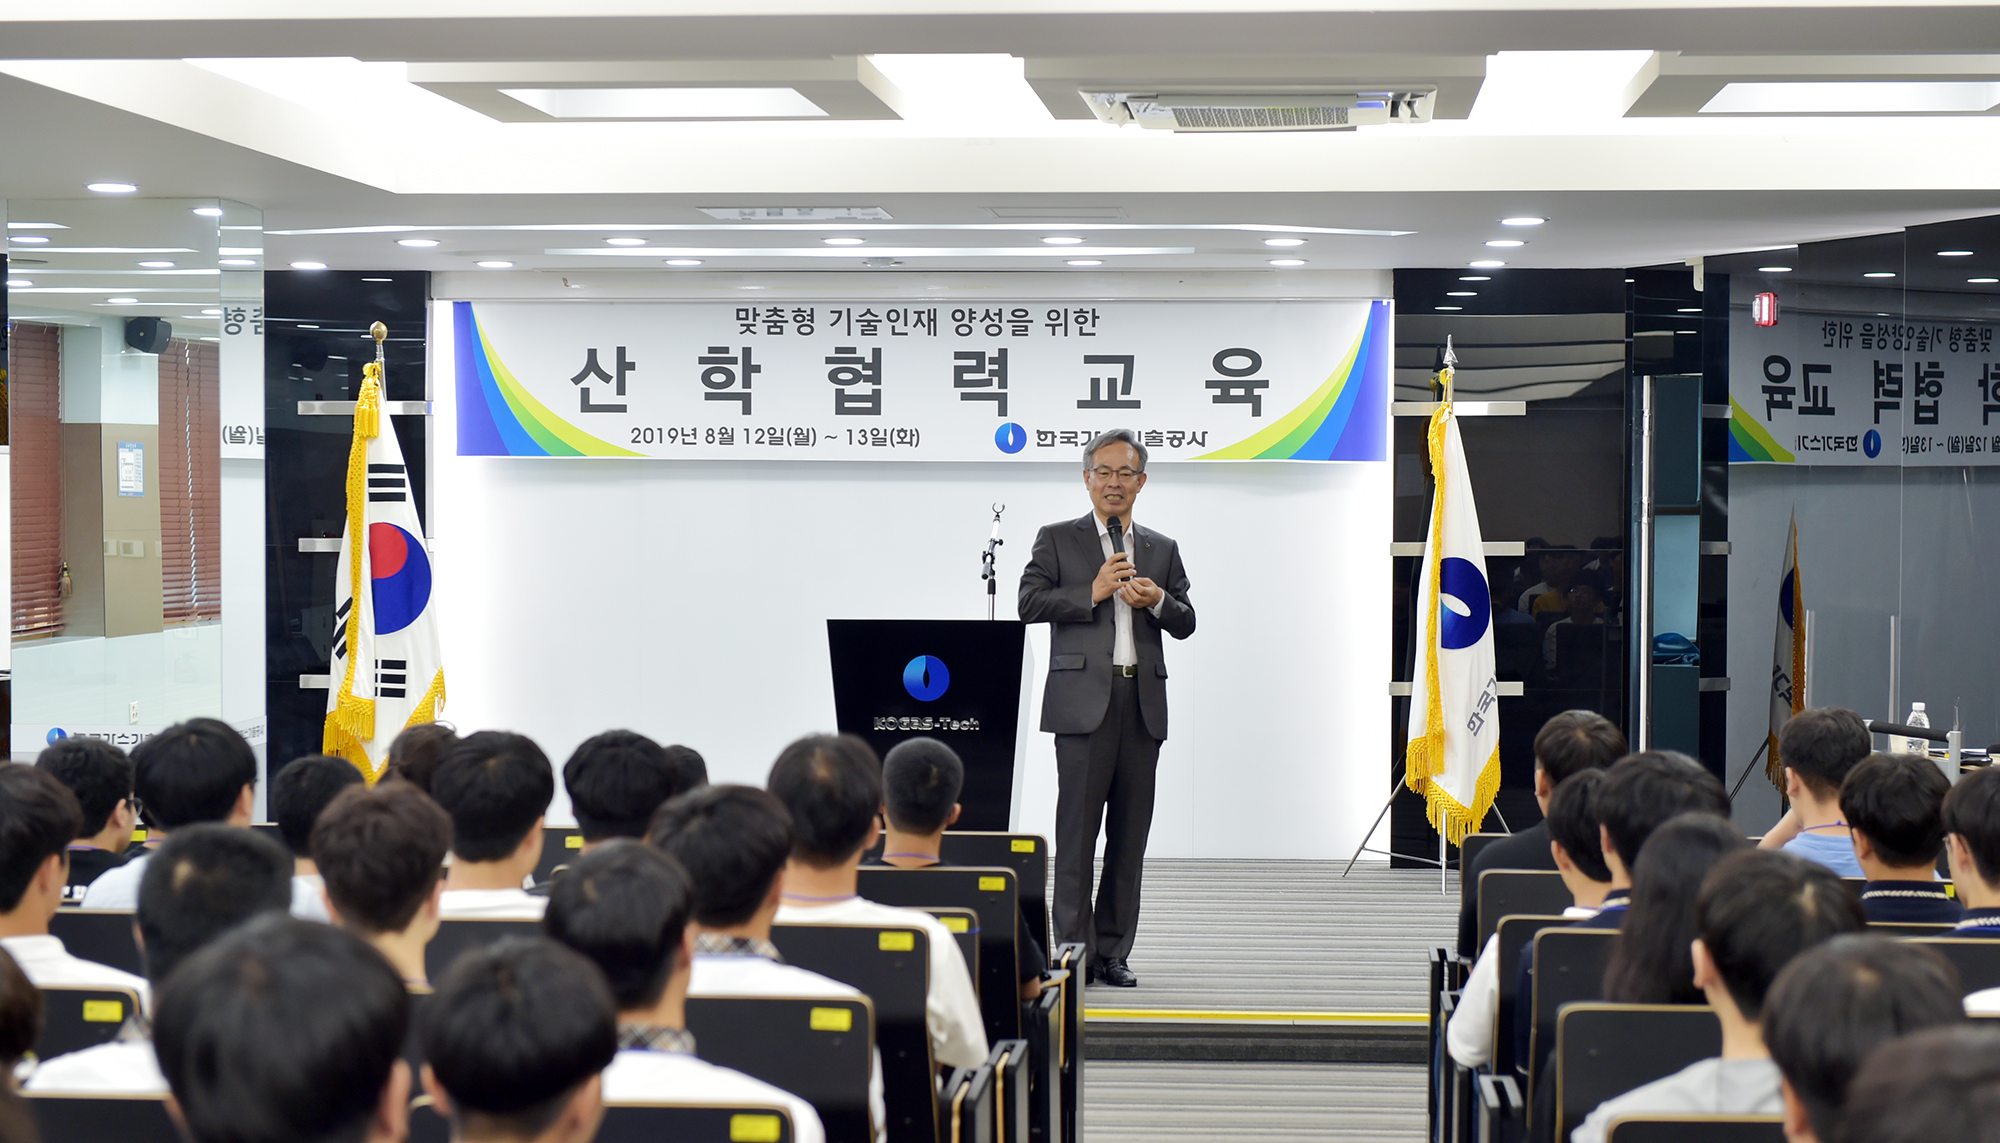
387 670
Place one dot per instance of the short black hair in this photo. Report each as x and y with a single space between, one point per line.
832 784
1972 811
279 1031
625 906
1572 825
1936 1084
301 790
192 772
1575 741
1653 959
616 780
1896 801
1821 745
381 851
414 753
1760 908
21 1015
98 773
202 882
733 842
1640 792
496 786
921 778
1833 1004
692 766
513 1029
38 819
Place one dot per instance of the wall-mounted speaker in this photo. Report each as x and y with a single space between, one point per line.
147 334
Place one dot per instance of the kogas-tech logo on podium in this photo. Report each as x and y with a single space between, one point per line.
926 678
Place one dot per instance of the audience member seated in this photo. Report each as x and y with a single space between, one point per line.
1930 1086
615 781
515 1041
100 775
285 1031
1653 961
1972 839
38 818
205 881
192 772
414 753
496 786
300 791
381 856
1579 857
20 1019
921 779
833 788
1584 608
1818 748
1755 912
1834 1004
1894 808
1569 743
626 908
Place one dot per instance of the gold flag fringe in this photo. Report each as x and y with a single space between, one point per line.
351 722
1424 757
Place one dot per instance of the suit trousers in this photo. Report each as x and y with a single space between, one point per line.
1105 776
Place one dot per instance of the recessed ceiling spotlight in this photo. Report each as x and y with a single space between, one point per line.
303 325
378 279
211 313
1878 274
841 241
1981 281
1447 308
1063 240
1493 264
1688 310
1086 262
209 211
1461 293
494 264
23 283
1774 269
1284 242
419 242
624 242
1523 220
683 261
28 239
1475 277
110 188
308 265
1288 261
238 262
1628 281
36 226
1504 243
121 301
1954 253
157 265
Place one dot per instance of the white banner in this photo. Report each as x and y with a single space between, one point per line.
892 381
241 353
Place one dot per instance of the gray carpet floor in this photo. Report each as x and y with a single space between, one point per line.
1135 1101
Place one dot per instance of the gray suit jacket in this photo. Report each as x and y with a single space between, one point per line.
1055 589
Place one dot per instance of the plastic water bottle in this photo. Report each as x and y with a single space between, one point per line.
1920 747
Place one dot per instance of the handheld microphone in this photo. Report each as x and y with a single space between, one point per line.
1117 530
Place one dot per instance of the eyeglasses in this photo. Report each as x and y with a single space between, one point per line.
1103 473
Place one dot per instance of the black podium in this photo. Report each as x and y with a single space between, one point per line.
955 680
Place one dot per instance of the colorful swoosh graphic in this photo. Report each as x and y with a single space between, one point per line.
1347 418
1751 442
497 416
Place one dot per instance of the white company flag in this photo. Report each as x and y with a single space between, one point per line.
1788 656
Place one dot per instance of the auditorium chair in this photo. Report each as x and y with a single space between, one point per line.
1493 1102
1013 1079
1977 961
890 966
1697 1129
821 1049
1605 1050
560 846
1516 933
1504 892
461 934
102 935
990 891
1069 958
1027 854
648 1123
1042 1027
968 1105
108 1118
1569 967
76 1017
1908 929
964 926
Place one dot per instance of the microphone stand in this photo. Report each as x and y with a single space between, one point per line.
986 562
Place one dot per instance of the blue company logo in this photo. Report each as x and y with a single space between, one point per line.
1461 582
926 678
56 735
1011 438
1872 444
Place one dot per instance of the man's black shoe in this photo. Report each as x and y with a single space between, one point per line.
1115 972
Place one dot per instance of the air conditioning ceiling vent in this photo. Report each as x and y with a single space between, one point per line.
1320 111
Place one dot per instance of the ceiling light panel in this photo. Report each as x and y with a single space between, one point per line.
1853 99
667 102
837 88
1686 84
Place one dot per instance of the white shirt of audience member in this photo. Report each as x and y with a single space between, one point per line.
48 964
637 1075
118 888
491 904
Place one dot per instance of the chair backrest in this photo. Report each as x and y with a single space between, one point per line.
1041 1021
820 1049
964 926
969 1111
1908 929
113 1118
1605 1050
1569 967
993 892
1012 1076
1977 961
1468 855
560 846
1515 934
694 1123
892 968
1506 892
75 1018
1697 1129
459 935
1027 854
102 935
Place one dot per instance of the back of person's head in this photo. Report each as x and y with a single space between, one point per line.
202 882
496 786
192 772
1821 745
921 778
38 820
1575 741
302 790
513 1031
1929 1086
20 1014
692 766
282 1031
1972 811
1896 801
415 753
616 780
1760 908
1653 959
1835 1003
1640 792
625 907
732 841
98 773
1573 826
833 787
381 851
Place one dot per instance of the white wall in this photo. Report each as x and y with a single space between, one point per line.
687 600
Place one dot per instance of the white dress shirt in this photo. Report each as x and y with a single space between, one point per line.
307 904
638 1075
49 965
122 1067
118 888
1124 653
491 904
1469 1035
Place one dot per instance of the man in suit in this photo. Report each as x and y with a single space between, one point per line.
1107 589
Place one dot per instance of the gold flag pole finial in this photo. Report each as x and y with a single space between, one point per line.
380 333
1450 360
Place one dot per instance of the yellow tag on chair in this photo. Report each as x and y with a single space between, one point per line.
992 884
830 1020
574 841
1024 845
754 1129
104 1012
898 942
956 924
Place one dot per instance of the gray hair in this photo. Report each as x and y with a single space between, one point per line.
1115 436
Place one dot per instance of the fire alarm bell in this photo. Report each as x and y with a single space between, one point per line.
1764 309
